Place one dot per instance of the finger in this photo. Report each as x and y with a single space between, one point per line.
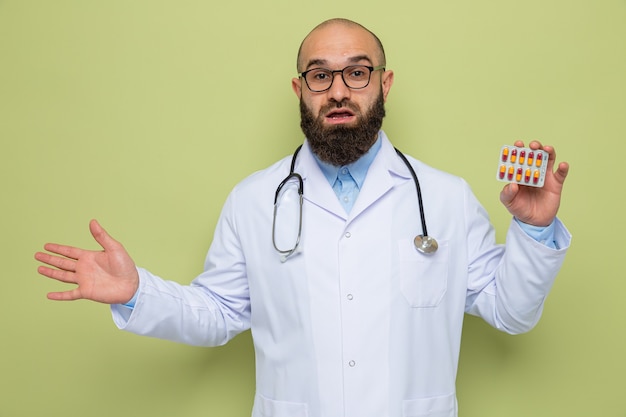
70 295
101 236
58 274
56 261
561 172
64 250
551 157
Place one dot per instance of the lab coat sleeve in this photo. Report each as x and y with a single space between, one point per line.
210 311
508 284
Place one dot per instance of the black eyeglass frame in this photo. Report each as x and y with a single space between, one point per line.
341 71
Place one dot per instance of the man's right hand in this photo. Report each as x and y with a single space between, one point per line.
108 276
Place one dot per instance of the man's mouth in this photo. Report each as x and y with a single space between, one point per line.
338 116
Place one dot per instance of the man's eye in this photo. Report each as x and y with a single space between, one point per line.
356 74
320 76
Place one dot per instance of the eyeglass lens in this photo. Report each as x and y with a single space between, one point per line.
320 79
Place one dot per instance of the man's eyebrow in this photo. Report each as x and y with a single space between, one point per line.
319 62
359 58
316 62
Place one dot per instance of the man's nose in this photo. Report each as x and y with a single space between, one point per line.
339 91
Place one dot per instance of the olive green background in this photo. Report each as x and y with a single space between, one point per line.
144 114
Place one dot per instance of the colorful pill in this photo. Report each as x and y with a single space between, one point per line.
518 177
513 155
505 154
531 156
522 155
539 159
510 174
502 171
536 177
527 175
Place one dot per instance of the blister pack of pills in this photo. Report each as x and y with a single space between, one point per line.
524 166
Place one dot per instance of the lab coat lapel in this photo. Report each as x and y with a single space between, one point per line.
317 190
380 177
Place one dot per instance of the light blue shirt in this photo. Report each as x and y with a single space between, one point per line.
347 180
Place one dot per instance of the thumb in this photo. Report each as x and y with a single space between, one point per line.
101 236
508 193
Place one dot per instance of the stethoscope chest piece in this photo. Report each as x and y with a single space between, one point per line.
425 244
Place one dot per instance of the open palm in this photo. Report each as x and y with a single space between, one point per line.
107 276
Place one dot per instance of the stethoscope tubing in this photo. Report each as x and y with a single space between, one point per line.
423 243
417 188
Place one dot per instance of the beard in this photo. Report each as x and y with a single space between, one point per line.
337 144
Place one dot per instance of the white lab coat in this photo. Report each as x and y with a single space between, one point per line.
358 323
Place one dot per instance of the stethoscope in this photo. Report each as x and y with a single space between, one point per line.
423 243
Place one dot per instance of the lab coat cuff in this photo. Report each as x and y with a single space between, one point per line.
542 234
122 312
554 236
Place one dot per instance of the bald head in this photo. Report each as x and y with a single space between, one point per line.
326 29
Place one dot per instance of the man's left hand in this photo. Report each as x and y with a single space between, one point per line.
533 205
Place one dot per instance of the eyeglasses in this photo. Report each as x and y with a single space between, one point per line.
354 76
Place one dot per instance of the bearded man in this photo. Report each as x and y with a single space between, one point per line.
349 316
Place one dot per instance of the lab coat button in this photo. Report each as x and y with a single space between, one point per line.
350 297
352 364
348 235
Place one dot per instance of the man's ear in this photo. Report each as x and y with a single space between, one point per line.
296 86
387 82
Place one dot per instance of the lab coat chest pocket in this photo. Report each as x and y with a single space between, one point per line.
423 277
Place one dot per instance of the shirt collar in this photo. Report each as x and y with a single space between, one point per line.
358 169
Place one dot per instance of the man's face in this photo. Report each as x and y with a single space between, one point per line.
341 118
342 143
